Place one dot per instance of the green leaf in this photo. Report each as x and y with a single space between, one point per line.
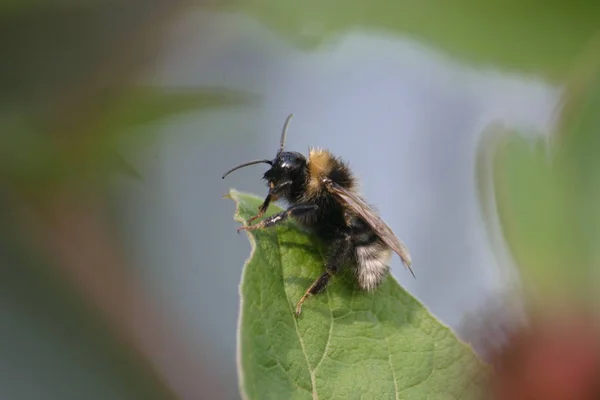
347 344
547 192
532 197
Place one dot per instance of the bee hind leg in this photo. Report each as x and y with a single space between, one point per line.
340 250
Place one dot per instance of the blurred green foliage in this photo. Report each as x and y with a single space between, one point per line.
533 36
37 158
56 345
548 193
71 107
71 104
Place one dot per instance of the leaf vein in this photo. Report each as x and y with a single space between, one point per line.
310 372
387 342
329 335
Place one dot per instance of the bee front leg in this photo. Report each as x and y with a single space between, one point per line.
261 209
280 217
340 251
273 194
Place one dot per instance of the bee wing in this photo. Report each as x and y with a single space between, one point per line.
359 206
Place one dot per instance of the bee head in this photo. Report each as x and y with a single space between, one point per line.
286 168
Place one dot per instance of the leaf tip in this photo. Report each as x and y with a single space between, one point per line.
232 194
236 197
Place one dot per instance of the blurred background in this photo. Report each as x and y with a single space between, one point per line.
119 261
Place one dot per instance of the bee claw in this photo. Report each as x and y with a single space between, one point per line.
246 228
252 219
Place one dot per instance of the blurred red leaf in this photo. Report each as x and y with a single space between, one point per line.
557 357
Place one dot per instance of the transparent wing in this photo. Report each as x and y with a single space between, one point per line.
381 229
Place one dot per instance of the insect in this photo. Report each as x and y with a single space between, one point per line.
322 195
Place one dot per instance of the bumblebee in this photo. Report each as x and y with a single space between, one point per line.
322 194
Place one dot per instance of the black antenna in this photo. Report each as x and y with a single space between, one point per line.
284 133
281 144
245 165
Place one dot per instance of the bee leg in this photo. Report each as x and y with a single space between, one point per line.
273 194
340 250
293 211
261 209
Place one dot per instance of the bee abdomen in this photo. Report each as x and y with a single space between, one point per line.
372 264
